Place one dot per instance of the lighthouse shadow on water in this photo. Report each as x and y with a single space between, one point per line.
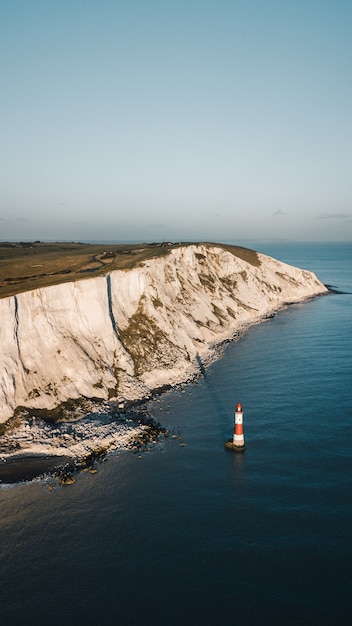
237 444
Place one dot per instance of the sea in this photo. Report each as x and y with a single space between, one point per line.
189 533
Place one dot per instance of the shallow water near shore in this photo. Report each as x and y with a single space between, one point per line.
190 533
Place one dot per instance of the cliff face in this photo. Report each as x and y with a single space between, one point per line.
121 335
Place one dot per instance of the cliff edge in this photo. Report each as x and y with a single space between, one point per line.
119 336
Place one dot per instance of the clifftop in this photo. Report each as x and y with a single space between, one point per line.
26 266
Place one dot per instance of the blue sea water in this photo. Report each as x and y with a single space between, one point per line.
188 533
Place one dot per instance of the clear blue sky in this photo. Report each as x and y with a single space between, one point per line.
176 119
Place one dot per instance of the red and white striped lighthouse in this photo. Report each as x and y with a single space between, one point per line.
238 436
237 441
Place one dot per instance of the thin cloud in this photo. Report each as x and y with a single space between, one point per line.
280 212
334 216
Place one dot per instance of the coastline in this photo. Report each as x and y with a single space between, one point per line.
39 449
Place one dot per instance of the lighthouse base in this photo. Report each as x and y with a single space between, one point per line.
229 445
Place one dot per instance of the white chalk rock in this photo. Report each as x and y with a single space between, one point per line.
121 335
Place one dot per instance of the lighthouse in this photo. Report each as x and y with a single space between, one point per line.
237 442
238 437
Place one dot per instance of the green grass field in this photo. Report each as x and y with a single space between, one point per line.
28 265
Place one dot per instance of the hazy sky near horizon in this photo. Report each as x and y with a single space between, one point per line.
176 120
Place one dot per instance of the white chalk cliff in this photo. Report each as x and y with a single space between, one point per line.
122 335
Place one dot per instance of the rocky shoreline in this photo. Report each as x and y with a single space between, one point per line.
38 449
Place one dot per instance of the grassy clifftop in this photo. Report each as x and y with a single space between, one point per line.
29 265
